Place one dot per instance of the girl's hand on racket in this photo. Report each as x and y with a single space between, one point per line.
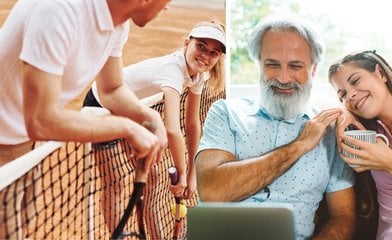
179 188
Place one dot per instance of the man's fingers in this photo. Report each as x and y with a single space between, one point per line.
151 158
325 117
331 118
148 162
150 126
159 155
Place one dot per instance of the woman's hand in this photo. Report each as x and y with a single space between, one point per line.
192 185
178 190
376 156
345 119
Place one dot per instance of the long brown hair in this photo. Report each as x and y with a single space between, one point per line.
367 60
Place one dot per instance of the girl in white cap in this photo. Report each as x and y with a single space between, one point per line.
200 59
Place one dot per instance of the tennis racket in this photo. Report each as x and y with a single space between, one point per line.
136 198
138 186
177 225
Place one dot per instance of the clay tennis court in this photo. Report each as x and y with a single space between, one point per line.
161 36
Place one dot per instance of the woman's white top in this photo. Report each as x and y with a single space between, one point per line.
148 77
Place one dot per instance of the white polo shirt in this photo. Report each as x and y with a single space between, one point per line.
148 77
72 38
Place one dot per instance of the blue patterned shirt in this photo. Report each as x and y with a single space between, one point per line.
241 128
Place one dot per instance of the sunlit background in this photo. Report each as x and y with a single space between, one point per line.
212 4
346 25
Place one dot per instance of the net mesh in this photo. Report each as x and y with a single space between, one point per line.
79 192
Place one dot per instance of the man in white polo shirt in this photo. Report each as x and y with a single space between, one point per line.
49 52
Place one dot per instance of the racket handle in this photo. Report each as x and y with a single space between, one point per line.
140 174
173 174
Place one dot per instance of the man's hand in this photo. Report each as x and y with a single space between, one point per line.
156 126
316 127
143 142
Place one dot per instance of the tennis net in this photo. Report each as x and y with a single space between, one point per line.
69 183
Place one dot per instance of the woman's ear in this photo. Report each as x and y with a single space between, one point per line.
186 42
380 72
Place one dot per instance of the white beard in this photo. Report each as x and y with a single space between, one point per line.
284 106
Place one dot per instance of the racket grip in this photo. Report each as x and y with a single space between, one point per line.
173 174
140 174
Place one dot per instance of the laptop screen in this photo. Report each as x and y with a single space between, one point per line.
240 221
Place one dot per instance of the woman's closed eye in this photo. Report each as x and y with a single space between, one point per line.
354 81
342 95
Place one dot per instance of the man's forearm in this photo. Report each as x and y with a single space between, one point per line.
123 102
71 125
234 180
337 228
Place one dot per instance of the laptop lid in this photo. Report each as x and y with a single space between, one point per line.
240 221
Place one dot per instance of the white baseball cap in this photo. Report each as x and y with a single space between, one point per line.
209 32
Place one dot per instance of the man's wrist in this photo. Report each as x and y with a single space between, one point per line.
298 148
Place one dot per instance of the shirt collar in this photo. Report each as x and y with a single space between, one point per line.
102 15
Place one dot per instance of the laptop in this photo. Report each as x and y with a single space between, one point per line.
239 221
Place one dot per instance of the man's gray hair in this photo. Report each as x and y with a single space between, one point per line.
286 22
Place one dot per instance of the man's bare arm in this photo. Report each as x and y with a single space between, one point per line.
122 101
221 177
45 119
341 221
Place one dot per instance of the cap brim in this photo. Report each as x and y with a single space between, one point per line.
209 32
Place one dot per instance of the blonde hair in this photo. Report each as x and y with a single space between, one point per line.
217 78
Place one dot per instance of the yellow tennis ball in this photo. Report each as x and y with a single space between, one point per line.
183 210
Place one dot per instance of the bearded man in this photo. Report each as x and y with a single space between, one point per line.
278 148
